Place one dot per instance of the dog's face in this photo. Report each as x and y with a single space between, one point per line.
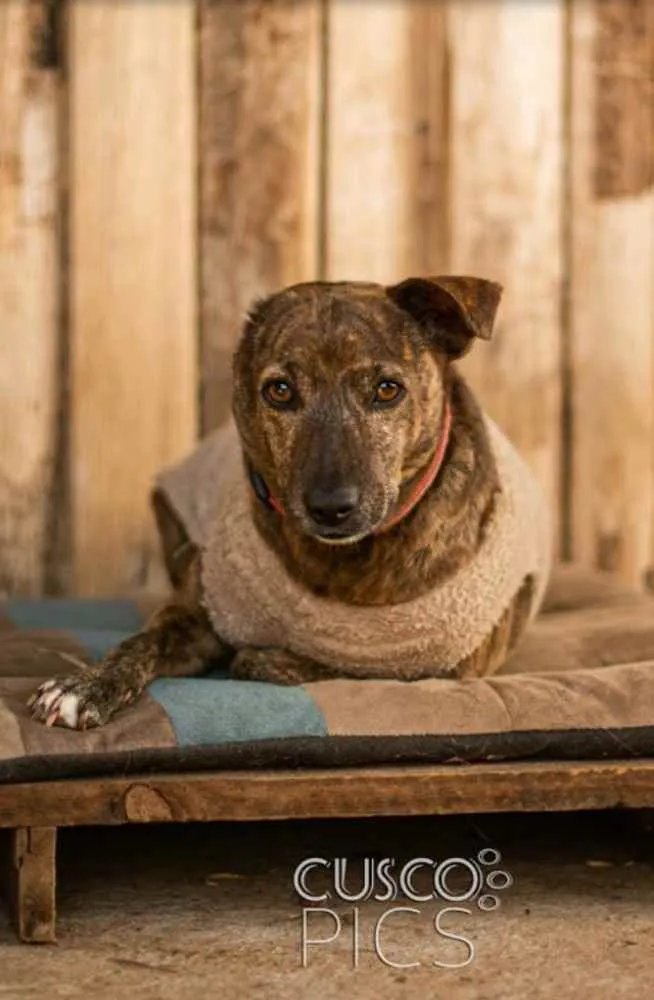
339 391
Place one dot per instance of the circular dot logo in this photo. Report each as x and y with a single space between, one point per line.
489 856
498 880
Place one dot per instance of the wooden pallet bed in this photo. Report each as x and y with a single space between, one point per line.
33 812
573 729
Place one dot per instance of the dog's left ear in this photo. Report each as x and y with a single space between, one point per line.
453 309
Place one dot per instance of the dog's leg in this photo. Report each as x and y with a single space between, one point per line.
277 666
177 641
495 650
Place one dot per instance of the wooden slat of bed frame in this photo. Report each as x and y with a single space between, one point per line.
34 811
347 792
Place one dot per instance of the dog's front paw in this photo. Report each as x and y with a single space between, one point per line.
76 702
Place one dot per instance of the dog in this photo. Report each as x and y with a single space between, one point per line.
371 479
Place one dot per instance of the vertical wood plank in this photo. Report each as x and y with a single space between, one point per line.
32 883
260 129
133 307
428 175
506 148
385 163
612 283
29 287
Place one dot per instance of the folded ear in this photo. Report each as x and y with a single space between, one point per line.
453 309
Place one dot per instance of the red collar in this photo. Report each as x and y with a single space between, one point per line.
416 495
428 477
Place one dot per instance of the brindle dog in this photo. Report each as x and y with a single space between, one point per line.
341 391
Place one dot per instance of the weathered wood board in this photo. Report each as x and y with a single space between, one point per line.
381 162
611 309
506 131
30 279
346 792
133 301
32 883
260 70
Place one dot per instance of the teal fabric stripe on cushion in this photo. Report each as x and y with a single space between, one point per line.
70 614
206 710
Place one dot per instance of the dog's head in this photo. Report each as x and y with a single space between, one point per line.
339 391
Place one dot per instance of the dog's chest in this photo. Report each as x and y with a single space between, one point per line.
253 600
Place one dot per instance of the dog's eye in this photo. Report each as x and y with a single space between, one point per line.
278 393
388 392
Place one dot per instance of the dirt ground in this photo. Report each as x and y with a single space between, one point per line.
163 913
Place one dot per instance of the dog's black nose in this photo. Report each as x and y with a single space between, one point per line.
330 508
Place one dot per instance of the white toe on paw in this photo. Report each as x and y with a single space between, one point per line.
69 710
48 698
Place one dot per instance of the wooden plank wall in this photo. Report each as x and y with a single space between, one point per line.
217 149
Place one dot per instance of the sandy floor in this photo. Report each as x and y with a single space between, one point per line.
210 911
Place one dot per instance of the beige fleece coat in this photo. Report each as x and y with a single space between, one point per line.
253 601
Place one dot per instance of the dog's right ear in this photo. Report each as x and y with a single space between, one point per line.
453 309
